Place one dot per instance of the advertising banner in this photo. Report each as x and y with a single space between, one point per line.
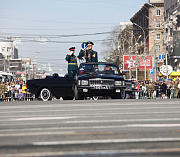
130 62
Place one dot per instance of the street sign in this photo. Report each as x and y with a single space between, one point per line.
84 46
151 71
161 56
164 71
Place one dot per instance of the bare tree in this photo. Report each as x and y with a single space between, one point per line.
116 45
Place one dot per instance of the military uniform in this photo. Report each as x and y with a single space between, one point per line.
150 90
72 63
89 55
176 89
2 90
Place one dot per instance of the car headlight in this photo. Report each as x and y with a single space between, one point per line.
84 82
118 83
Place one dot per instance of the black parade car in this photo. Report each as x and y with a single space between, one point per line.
93 79
99 79
52 86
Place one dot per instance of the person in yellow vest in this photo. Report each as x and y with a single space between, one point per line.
24 90
9 91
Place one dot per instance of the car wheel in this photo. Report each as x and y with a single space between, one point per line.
78 95
46 94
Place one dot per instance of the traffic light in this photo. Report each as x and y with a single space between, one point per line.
178 20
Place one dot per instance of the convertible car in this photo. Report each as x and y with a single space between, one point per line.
93 79
52 86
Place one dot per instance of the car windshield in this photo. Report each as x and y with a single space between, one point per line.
98 68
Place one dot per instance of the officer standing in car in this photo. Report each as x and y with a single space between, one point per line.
90 55
72 62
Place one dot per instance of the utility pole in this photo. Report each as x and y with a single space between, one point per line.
136 64
144 57
130 75
154 58
165 44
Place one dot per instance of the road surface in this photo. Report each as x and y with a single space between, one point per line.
90 128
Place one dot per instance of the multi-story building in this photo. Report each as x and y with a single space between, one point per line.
149 22
172 27
9 56
8 50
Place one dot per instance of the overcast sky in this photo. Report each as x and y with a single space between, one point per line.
55 19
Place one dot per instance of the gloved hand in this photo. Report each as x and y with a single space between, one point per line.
71 52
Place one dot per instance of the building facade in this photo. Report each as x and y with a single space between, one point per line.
149 22
172 27
8 50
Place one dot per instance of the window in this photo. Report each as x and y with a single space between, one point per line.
158 12
157 48
3 49
157 24
9 49
157 36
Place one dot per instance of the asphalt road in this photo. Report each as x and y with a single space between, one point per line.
90 128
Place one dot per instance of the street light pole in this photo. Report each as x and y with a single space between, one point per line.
136 63
144 50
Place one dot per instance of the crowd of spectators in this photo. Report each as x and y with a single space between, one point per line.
15 90
160 89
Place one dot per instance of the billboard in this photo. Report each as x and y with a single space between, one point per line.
130 62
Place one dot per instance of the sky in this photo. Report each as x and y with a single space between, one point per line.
64 24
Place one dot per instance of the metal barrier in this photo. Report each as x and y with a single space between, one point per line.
17 96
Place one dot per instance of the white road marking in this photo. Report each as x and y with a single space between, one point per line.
36 134
108 141
107 127
90 104
153 125
97 114
40 118
105 121
123 120
98 109
96 152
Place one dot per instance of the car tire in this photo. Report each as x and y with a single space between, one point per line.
78 95
45 94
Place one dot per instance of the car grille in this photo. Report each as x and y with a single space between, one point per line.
98 82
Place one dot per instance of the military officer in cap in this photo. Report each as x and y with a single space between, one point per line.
72 63
89 54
